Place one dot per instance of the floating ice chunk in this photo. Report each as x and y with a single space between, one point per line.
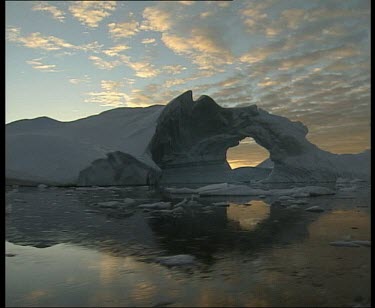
344 244
293 207
285 198
157 205
182 203
176 260
348 189
233 190
214 187
193 203
298 202
225 189
301 194
183 190
178 210
42 186
357 181
167 212
314 191
315 209
90 188
362 243
109 204
342 180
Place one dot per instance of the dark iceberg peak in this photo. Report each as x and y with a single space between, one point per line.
188 95
206 104
194 131
184 98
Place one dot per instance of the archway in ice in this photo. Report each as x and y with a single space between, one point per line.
247 154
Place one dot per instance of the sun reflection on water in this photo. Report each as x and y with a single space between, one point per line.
248 216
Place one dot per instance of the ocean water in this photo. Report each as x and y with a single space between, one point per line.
65 247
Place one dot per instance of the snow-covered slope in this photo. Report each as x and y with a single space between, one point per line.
50 151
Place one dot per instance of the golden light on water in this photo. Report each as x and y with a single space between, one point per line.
248 216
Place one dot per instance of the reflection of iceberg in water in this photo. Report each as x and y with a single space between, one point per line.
247 216
66 216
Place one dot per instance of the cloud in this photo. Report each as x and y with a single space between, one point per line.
91 13
202 46
174 69
110 85
94 47
293 17
200 43
157 19
36 40
102 64
124 29
207 40
174 82
54 11
148 41
129 81
84 79
221 3
106 98
256 55
144 69
176 43
38 65
317 56
151 94
254 17
110 95
266 82
206 14
115 50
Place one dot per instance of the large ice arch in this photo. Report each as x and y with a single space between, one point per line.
192 138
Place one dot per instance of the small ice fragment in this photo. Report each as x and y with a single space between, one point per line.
344 244
362 243
315 209
157 205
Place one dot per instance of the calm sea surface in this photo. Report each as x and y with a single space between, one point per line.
64 247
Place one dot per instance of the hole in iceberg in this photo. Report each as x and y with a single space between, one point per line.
247 154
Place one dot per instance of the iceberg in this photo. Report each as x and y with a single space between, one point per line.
185 141
118 169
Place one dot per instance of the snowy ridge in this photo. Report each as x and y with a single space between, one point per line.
58 151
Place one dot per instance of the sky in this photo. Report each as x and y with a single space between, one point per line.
306 60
